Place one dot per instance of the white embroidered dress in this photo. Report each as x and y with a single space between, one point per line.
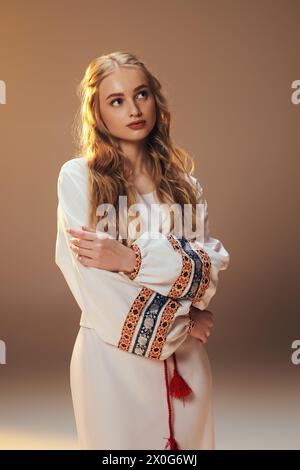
130 329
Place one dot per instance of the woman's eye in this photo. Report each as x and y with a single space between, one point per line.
143 91
117 99
120 99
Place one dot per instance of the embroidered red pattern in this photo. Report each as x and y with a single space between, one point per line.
205 278
133 318
191 323
162 330
138 260
184 277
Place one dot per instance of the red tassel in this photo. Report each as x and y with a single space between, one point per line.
172 444
171 441
178 386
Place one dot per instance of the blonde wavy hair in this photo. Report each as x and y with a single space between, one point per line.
109 169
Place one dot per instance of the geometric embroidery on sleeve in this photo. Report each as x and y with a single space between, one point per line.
160 309
138 260
132 318
150 317
184 277
206 267
162 331
197 258
198 269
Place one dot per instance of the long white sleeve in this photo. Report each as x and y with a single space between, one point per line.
134 318
181 268
214 257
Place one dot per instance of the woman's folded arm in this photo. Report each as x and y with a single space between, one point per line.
178 267
133 318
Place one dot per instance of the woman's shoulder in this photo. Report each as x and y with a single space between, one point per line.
72 175
75 164
194 181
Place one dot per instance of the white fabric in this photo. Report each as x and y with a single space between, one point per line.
120 399
118 389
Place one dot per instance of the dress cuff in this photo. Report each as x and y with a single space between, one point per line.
138 260
205 277
191 323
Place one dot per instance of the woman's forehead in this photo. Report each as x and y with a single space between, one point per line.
122 80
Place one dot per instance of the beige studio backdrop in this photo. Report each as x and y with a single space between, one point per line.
227 68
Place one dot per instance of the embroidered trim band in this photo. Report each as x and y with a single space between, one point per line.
184 277
138 259
206 267
191 323
162 331
133 317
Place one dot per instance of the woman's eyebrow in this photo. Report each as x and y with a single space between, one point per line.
122 94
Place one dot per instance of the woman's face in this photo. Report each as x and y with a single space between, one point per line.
121 103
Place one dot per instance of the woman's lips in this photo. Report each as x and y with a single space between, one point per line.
138 125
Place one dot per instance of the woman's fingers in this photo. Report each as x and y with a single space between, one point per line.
204 337
88 229
88 244
82 251
87 262
204 323
82 234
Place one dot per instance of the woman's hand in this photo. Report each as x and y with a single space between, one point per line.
203 323
99 250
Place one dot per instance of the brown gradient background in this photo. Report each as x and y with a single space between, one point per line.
226 68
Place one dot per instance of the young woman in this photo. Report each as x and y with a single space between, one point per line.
140 374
